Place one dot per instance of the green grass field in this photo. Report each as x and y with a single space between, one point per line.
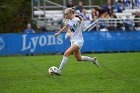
119 73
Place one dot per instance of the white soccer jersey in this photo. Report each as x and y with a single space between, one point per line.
75 25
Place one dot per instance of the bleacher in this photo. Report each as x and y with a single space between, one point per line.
50 14
58 14
131 10
50 18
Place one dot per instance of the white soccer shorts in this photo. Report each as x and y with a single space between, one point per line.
79 44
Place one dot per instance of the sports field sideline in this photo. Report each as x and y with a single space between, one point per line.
118 73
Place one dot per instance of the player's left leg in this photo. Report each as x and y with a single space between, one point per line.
78 57
89 59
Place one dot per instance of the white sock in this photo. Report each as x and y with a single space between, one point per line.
63 62
86 58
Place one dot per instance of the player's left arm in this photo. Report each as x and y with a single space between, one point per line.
81 19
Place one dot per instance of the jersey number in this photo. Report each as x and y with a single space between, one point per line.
72 30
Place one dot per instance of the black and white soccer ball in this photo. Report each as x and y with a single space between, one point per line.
54 70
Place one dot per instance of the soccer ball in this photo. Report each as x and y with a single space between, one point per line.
54 70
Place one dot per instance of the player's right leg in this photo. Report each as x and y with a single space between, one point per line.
68 52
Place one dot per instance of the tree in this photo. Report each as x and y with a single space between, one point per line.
13 15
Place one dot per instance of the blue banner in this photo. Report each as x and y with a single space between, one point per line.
111 41
46 43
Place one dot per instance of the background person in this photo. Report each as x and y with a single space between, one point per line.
70 4
79 6
29 29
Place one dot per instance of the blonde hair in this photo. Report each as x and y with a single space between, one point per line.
70 10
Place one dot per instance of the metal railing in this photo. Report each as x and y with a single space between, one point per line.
42 6
113 22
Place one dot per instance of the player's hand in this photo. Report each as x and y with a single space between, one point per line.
56 34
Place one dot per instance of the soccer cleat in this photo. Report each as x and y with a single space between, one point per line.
58 72
95 61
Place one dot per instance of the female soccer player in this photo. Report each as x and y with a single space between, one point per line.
74 23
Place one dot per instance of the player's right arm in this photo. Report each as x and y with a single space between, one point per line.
62 30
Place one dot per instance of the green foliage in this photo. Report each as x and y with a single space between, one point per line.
10 15
15 14
119 73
